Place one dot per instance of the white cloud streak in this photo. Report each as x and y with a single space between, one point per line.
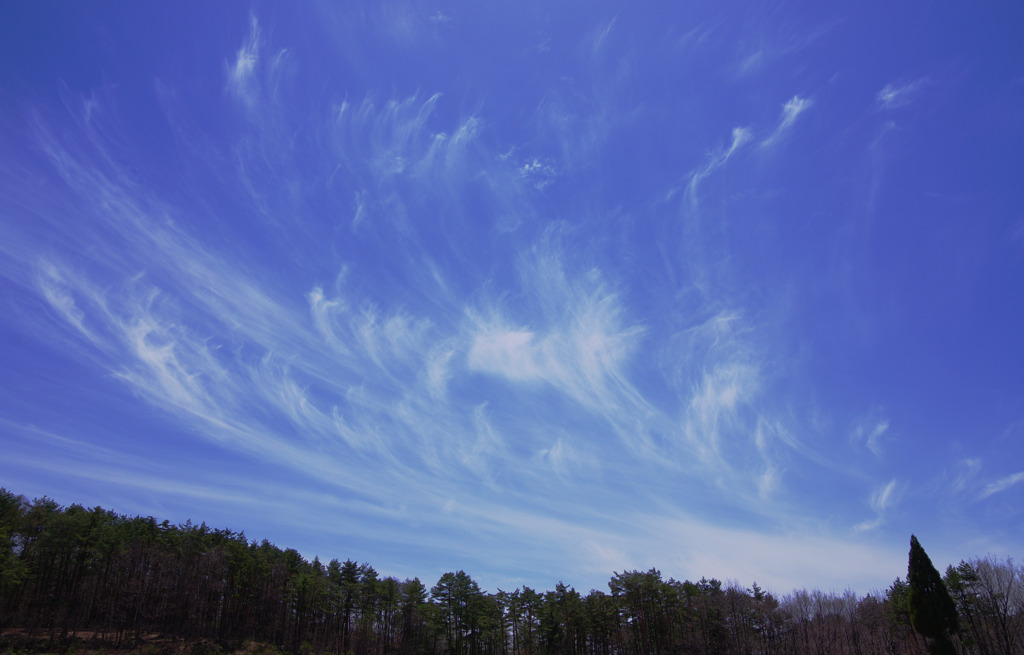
740 137
967 470
896 95
193 334
790 111
1002 484
489 393
881 501
872 436
242 72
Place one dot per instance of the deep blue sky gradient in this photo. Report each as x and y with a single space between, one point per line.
541 293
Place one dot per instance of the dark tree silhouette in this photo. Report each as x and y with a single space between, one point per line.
932 611
72 573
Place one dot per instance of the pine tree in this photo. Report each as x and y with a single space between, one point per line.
932 611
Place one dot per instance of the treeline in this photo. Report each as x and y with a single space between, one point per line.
71 572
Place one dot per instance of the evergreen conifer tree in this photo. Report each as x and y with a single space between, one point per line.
932 611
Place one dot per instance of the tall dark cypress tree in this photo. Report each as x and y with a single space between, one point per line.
932 611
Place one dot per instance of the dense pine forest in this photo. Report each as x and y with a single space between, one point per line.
72 576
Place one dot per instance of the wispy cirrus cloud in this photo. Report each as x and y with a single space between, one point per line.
713 409
506 351
967 469
740 137
242 71
580 340
790 111
187 329
881 500
895 95
872 435
1001 485
433 325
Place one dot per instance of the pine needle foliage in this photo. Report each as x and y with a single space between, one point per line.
932 611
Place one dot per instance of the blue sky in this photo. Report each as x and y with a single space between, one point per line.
538 292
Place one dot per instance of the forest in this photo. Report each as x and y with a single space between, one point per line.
72 576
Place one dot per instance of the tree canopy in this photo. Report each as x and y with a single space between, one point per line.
932 611
71 572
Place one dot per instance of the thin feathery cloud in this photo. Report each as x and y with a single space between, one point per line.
242 71
740 137
394 138
601 36
777 43
325 314
722 429
582 357
875 436
967 470
439 369
751 63
894 95
871 436
714 411
487 449
790 111
1001 485
336 385
177 365
580 339
60 294
390 160
426 377
231 493
447 154
505 351
565 459
539 174
881 500
766 434
126 221
883 497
